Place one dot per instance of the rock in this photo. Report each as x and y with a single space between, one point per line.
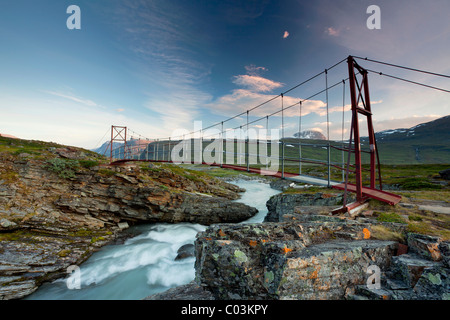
5 224
190 291
370 293
331 270
445 174
185 251
127 178
425 245
287 260
281 184
434 284
408 268
17 290
69 153
444 248
123 225
134 202
285 203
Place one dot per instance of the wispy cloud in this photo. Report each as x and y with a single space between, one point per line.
165 46
74 98
254 70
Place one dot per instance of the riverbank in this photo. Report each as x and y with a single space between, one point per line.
60 204
156 257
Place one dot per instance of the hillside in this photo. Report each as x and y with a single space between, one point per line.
425 143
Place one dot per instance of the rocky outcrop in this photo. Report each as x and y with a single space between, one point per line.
285 203
113 201
287 260
56 214
320 257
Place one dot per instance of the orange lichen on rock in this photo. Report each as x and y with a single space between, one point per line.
366 233
314 274
221 233
286 250
253 243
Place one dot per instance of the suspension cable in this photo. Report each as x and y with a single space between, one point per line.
403 67
409 81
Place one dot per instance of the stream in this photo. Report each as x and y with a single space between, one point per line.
145 263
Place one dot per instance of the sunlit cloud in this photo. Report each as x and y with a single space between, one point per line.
285 35
256 83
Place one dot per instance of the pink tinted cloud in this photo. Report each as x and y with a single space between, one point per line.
332 32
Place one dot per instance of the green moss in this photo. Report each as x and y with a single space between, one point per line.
88 163
106 172
9 176
64 253
415 217
418 184
390 217
95 239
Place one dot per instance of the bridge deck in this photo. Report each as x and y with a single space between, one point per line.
288 176
383 196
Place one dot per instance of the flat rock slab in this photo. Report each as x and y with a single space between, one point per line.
287 260
190 291
331 270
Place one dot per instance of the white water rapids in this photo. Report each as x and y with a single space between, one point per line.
144 264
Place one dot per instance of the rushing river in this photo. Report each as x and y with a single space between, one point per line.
144 264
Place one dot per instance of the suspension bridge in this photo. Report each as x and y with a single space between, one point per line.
252 145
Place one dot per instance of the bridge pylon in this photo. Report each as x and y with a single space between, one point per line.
360 105
118 134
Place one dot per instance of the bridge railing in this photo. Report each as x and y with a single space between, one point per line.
319 159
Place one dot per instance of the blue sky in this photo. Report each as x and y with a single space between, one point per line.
157 66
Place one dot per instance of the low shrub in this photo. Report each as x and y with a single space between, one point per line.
65 168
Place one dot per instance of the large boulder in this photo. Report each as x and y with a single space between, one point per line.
285 203
325 260
445 174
